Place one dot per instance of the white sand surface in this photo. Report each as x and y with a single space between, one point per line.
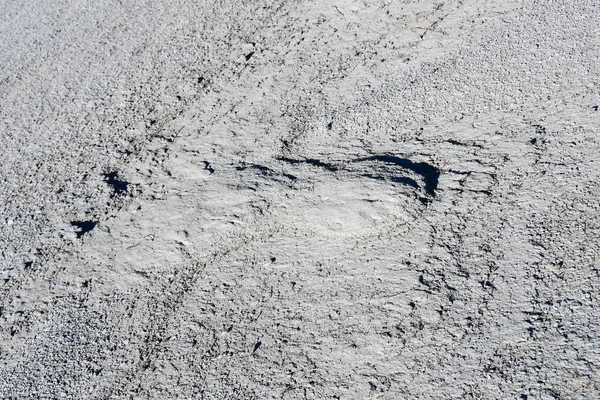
299 199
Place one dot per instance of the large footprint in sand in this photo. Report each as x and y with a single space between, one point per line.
360 197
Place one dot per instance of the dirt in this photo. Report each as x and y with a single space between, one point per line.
252 200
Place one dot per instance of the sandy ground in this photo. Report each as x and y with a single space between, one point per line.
299 200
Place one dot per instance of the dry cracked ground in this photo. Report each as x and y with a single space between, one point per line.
300 200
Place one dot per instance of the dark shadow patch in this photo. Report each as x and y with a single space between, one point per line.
261 168
256 346
208 167
424 200
429 173
249 56
405 181
310 161
84 227
119 186
459 143
457 172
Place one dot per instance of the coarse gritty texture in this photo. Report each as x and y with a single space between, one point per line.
299 200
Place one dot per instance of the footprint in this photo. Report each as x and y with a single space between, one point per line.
361 197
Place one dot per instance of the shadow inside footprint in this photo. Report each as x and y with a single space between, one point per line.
429 173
